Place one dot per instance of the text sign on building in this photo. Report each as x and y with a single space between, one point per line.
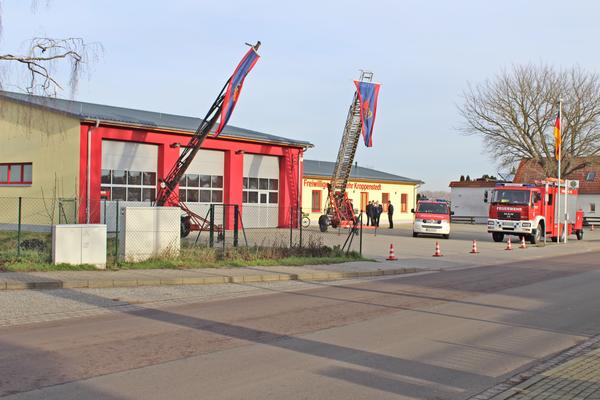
351 185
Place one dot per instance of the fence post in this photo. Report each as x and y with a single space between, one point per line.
117 234
236 213
291 224
105 211
300 226
19 229
211 225
223 227
75 211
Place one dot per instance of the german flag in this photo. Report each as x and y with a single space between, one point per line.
557 137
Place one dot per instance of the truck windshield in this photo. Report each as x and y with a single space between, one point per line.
520 197
433 208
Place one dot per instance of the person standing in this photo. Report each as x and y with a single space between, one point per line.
379 212
374 218
390 210
368 211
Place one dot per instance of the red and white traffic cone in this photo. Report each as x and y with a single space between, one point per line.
592 228
523 245
508 244
438 252
474 248
392 256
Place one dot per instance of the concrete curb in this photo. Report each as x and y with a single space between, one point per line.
209 280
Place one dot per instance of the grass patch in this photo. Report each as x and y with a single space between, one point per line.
44 267
36 256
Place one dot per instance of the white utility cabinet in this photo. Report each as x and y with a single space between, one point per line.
79 244
147 232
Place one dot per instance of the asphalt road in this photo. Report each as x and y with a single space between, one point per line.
439 335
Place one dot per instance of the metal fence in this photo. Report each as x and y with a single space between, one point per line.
26 229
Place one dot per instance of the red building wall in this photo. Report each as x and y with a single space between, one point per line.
289 166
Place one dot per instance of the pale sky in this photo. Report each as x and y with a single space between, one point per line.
174 57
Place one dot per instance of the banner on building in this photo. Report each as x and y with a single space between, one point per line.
367 94
234 87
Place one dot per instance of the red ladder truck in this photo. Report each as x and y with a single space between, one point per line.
339 211
531 210
226 99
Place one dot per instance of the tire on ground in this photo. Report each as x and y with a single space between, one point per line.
537 237
323 223
498 236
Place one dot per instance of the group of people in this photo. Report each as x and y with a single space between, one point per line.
374 211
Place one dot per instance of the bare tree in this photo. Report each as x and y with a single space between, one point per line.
47 57
515 115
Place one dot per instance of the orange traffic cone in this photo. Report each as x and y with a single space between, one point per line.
437 253
474 248
523 245
508 245
392 256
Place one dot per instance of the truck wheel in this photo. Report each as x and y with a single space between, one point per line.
185 227
554 239
446 236
537 237
498 237
579 234
415 234
323 223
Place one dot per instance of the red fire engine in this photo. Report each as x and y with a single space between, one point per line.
531 211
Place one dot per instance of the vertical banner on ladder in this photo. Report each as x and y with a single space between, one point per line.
367 94
235 87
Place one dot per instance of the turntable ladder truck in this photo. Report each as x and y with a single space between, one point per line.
338 209
190 221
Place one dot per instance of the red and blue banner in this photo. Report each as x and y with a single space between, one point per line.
367 94
235 87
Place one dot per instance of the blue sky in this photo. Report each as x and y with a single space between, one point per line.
175 56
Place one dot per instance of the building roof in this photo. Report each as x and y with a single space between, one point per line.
588 177
483 183
317 168
142 119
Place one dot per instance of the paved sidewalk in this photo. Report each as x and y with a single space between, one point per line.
204 276
572 375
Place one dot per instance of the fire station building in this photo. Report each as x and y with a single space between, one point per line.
364 185
69 149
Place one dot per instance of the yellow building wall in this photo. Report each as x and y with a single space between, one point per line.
50 141
374 190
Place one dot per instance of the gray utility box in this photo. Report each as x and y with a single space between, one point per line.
79 244
149 232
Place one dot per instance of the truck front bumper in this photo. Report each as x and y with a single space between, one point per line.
510 227
431 227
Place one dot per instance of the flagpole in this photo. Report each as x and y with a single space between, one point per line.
566 209
558 151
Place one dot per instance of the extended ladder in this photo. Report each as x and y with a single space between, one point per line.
339 210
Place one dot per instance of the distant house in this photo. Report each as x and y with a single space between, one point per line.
469 198
364 185
588 177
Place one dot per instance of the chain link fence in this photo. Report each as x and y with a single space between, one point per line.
220 231
26 227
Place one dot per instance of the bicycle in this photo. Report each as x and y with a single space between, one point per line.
305 220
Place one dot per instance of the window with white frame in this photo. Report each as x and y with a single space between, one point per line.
260 191
196 188
128 185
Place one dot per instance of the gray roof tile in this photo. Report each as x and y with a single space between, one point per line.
150 119
325 168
